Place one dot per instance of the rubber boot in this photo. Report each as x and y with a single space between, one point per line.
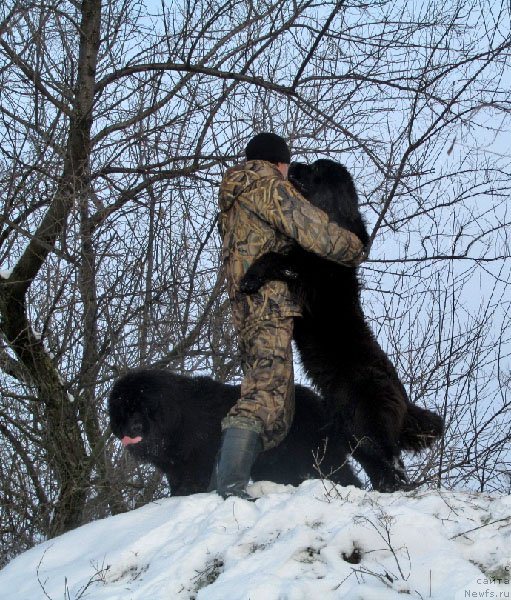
238 452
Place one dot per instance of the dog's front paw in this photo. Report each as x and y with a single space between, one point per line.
250 284
290 275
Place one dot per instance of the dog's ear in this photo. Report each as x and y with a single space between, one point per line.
160 406
173 414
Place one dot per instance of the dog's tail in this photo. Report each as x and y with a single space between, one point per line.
421 428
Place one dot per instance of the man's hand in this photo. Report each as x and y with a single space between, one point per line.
358 259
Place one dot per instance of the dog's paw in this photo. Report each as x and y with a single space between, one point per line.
393 477
290 275
250 285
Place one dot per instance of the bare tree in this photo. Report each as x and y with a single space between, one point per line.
116 122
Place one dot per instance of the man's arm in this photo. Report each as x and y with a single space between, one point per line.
282 206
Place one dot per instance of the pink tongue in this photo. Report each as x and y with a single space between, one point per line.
126 440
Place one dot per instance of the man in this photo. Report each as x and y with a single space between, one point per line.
261 212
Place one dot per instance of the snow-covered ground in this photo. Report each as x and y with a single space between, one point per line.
306 543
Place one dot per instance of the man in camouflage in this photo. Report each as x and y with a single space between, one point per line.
261 212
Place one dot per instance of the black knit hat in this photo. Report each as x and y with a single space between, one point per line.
268 146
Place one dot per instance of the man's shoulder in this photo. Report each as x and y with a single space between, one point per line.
256 169
255 176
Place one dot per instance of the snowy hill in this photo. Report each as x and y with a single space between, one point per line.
306 543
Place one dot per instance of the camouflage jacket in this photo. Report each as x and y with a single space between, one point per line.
261 212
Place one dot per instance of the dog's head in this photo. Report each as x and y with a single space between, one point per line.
329 186
140 412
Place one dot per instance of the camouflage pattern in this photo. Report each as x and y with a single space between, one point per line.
261 212
267 391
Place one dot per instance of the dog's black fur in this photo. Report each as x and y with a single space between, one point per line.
179 418
336 346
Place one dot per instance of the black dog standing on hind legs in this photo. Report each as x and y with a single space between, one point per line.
336 346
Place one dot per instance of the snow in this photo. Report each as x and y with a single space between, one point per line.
316 541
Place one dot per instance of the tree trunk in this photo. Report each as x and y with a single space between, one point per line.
63 439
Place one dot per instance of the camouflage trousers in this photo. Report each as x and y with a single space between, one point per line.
267 400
